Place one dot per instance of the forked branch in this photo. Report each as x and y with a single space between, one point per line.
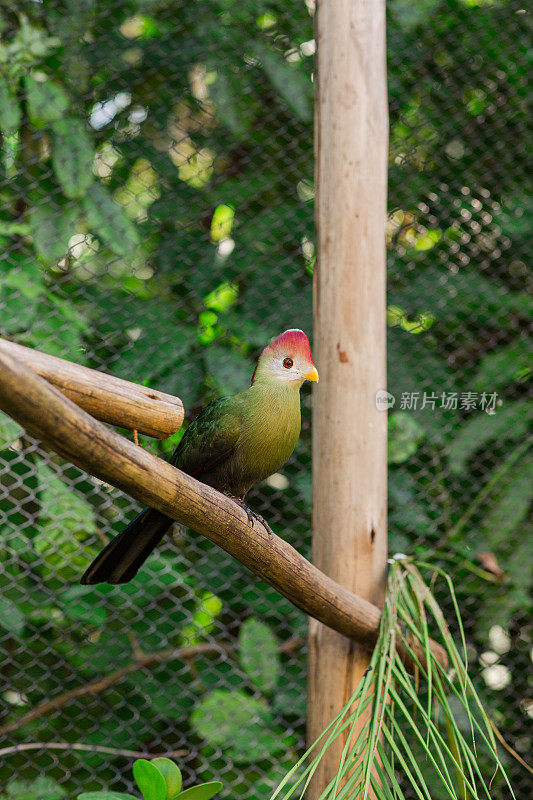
78 437
105 397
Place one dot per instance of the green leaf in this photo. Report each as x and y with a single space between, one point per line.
503 366
66 520
52 224
258 653
511 421
10 114
226 294
39 789
456 301
226 92
11 617
21 287
172 775
406 509
405 434
149 779
412 14
230 369
514 215
106 796
72 156
9 430
290 81
47 100
514 595
241 724
109 222
208 608
290 698
204 791
62 504
79 604
510 504
413 365
58 328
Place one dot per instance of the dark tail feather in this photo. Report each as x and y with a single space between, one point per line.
121 558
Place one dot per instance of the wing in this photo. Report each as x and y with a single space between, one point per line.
210 439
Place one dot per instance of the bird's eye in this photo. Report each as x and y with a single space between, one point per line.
287 363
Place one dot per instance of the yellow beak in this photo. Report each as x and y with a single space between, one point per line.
313 375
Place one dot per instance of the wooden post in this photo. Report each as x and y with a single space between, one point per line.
349 433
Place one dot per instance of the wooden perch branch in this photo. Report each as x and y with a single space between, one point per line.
105 397
75 435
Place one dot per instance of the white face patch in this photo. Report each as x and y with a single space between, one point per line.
278 367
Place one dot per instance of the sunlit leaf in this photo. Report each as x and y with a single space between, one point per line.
239 723
258 653
52 225
203 617
140 190
204 791
222 223
150 780
21 288
38 789
10 114
11 617
413 14
220 298
511 421
405 435
47 100
106 796
72 156
9 430
172 775
229 103
139 27
291 82
512 362
66 519
108 221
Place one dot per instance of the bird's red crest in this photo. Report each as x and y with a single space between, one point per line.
293 342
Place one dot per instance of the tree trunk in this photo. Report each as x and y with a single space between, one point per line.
349 433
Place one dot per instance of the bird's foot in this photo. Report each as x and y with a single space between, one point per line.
253 515
263 522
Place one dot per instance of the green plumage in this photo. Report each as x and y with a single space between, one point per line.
240 440
234 443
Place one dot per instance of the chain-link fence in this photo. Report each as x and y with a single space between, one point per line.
156 219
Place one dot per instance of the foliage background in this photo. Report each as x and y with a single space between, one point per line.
156 221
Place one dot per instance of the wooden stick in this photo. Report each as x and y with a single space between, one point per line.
140 661
349 433
105 397
71 432
98 685
95 748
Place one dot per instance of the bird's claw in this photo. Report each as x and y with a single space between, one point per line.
265 524
253 515
250 514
